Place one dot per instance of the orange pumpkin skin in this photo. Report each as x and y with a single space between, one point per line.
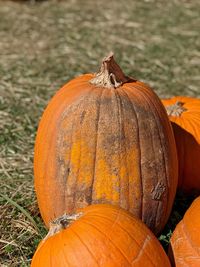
185 240
104 236
186 128
106 145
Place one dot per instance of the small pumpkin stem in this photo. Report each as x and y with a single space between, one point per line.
110 74
176 109
61 223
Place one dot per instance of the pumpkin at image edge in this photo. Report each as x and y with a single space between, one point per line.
101 235
106 138
185 240
184 114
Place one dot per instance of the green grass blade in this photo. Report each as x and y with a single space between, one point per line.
16 205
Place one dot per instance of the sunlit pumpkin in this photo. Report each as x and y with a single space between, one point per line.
101 235
106 138
185 240
184 113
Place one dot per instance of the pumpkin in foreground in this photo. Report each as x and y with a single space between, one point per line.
185 240
184 113
102 235
106 138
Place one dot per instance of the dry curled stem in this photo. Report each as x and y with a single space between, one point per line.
176 109
110 74
61 223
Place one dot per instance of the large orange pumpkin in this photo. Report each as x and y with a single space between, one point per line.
185 240
103 235
106 138
184 113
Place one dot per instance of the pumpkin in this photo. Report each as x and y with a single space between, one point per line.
100 235
106 138
185 241
184 113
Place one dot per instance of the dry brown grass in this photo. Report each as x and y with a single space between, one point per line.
42 45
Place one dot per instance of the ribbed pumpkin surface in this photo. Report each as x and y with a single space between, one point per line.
103 236
186 126
185 240
106 145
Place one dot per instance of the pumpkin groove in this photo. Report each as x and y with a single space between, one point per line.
106 238
132 237
106 145
135 133
159 191
85 245
160 139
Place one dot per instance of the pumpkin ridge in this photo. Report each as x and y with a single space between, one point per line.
62 91
184 249
74 123
162 145
131 90
44 127
166 173
157 123
145 94
96 144
66 179
139 154
85 221
85 245
185 237
107 237
113 98
129 176
64 257
48 159
78 168
105 217
153 145
120 143
117 214
184 227
141 249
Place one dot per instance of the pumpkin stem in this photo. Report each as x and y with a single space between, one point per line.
110 74
176 109
61 223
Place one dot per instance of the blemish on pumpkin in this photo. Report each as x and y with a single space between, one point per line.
158 191
82 116
83 196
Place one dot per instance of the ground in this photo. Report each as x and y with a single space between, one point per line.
44 44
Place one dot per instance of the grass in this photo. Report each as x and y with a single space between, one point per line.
43 45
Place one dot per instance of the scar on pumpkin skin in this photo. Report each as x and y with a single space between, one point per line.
158 191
